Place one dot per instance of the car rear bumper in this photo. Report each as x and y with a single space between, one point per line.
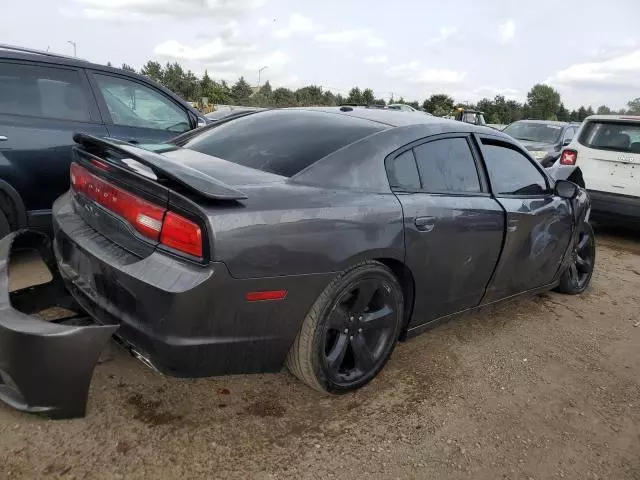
180 318
45 367
612 206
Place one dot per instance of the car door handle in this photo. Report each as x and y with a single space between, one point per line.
425 224
3 138
133 141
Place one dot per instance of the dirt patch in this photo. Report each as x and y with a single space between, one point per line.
149 412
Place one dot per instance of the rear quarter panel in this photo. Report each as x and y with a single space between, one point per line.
289 229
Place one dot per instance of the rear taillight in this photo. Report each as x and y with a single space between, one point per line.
568 157
181 234
147 218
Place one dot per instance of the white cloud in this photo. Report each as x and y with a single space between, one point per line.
297 24
444 34
376 59
621 71
439 77
363 36
272 61
125 10
403 69
217 50
615 49
506 31
413 73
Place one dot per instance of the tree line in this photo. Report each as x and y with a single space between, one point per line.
543 101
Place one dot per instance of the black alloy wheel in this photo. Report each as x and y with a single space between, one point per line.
358 331
351 330
578 274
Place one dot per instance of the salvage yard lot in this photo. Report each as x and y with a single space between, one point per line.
542 387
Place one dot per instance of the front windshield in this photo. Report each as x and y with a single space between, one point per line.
534 132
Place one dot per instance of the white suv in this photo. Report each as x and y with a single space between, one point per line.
607 150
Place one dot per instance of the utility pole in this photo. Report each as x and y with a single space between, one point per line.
74 47
259 74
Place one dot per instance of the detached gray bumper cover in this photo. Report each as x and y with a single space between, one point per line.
44 366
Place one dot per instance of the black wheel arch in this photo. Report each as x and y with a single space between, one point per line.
12 205
406 279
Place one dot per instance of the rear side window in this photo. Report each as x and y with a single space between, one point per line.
510 172
447 166
283 142
614 136
403 172
43 92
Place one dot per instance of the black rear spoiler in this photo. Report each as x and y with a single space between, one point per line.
190 178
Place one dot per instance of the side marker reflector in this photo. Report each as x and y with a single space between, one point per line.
266 295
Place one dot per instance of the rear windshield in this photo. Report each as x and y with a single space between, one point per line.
534 132
615 136
283 142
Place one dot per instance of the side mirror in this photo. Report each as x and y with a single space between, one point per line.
566 142
566 189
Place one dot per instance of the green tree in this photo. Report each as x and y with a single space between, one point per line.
590 111
634 106
109 64
206 85
221 93
240 92
582 113
173 78
153 70
266 89
379 101
544 101
190 87
128 68
514 111
309 96
329 99
355 96
562 113
367 96
575 116
603 110
438 105
283 97
495 118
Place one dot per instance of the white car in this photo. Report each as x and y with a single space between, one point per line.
607 150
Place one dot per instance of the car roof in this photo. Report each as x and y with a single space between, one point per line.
542 122
24 54
632 118
18 53
396 118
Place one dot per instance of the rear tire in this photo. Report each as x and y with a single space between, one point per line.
577 276
351 330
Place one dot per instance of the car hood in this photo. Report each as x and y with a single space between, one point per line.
533 146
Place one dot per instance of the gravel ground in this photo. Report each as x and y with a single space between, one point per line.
543 387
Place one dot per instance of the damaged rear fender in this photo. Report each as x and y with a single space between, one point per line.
45 367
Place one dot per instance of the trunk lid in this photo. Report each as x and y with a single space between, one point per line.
144 200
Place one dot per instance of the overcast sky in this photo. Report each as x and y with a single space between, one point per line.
589 51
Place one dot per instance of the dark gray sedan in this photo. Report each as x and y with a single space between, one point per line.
314 238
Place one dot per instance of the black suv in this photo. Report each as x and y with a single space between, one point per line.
45 99
543 138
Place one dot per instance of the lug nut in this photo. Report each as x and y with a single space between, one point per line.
359 330
346 330
351 337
